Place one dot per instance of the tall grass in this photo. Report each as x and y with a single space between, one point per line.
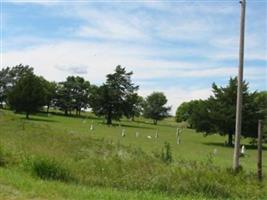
2 158
48 169
53 153
112 165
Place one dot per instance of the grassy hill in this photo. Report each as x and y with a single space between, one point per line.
57 157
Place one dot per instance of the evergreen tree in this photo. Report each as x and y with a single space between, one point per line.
218 113
109 100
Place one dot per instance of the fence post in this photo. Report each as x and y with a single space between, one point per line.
259 163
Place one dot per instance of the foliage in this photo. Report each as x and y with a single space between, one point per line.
49 93
184 112
3 160
261 100
109 100
133 106
166 155
217 114
49 169
155 107
9 77
73 94
27 95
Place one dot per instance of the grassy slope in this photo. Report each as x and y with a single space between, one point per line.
69 138
15 184
194 146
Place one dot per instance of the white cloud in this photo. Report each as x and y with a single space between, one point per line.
39 2
139 40
178 95
94 61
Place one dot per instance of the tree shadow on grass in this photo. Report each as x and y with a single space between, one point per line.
155 126
126 126
221 144
73 116
38 119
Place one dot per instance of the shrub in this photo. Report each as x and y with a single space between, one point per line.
49 169
5 157
3 160
166 155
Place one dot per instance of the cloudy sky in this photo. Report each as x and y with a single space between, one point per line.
179 47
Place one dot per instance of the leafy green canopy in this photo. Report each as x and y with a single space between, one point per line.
27 95
217 113
8 79
110 99
73 94
155 107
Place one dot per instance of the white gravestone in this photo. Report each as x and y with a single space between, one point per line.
136 134
123 133
178 131
243 150
157 134
215 151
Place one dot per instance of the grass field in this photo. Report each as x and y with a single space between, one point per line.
107 155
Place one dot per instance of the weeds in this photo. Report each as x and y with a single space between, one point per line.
3 160
166 155
48 169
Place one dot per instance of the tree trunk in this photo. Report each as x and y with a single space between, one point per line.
47 110
66 112
230 139
27 115
109 117
155 122
109 120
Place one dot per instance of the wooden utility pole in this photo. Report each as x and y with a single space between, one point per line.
259 163
239 88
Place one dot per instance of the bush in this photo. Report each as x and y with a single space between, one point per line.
5 158
49 169
166 155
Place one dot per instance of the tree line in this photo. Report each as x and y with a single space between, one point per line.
23 91
217 113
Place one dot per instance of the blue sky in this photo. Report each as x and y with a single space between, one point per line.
178 47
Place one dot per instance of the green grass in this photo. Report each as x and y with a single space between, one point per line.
101 164
15 184
194 146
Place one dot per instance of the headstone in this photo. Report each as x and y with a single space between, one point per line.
157 134
178 131
178 140
123 133
149 137
243 150
91 127
215 151
136 134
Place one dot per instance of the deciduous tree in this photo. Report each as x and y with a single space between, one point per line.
155 107
27 95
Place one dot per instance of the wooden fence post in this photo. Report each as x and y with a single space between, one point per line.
259 163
